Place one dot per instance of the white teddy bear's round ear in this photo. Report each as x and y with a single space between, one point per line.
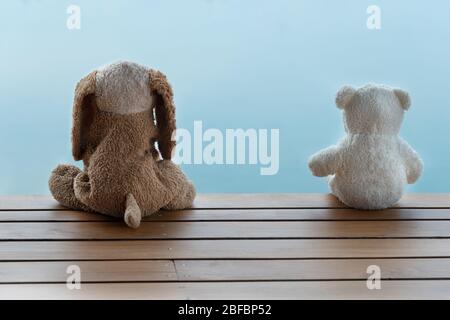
403 97
344 95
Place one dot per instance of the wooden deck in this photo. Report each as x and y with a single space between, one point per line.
266 246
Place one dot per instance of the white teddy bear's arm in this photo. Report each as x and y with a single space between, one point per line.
325 162
412 161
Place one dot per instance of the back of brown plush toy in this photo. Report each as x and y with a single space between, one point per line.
114 133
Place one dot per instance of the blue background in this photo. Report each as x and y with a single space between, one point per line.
233 64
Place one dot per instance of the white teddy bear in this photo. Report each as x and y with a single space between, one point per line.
372 163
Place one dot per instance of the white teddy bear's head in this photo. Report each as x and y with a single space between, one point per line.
372 109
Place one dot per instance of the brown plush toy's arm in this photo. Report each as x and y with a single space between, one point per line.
325 162
412 162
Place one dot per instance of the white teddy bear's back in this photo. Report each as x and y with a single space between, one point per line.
371 173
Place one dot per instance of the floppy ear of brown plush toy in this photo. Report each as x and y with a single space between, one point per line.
119 112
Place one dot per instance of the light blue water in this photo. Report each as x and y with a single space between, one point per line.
233 64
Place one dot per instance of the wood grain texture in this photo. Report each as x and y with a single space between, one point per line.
242 201
244 270
224 230
236 215
29 202
223 249
402 289
309 200
223 270
90 271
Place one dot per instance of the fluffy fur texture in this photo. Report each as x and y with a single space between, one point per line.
370 166
114 133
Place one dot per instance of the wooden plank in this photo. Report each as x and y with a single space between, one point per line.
299 214
237 215
52 215
308 200
266 200
202 201
29 202
348 269
224 230
223 249
90 271
242 201
223 270
402 289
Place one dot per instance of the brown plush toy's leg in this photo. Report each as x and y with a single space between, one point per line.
183 191
82 186
61 186
184 199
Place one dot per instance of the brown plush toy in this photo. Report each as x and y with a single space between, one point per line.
114 133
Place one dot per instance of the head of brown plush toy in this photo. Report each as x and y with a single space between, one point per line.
120 111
